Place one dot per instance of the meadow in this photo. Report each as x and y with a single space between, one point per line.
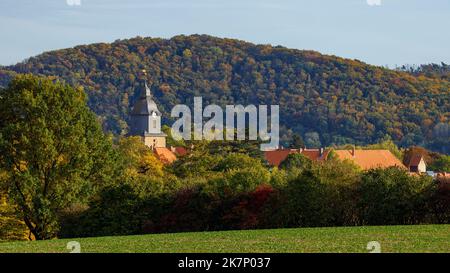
418 238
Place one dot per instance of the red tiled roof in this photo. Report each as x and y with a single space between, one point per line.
275 157
370 159
165 155
179 151
365 159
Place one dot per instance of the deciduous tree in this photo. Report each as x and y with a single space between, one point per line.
52 149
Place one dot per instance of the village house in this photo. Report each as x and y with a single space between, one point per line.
370 159
417 164
365 159
275 157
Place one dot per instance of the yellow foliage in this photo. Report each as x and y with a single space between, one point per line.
11 227
139 158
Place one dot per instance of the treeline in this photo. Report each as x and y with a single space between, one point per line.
438 71
326 99
235 191
61 176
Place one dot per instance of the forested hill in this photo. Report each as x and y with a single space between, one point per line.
328 100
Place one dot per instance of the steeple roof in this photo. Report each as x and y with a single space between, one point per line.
145 105
147 92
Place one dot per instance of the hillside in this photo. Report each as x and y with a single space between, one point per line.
429 238
328 100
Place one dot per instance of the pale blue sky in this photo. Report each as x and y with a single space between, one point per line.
395 32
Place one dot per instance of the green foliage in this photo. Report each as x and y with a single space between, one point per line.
170 141
244 180
441 164
296 142
386 145
11 227
248 147
237 161
321 195
392 196
296 161
52 149
116 211
138 159
439 71
198 162
325 99
235 191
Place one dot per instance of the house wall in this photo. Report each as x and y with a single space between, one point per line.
422 168
155 141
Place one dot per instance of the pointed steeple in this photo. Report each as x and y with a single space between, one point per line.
146 118
148 93
145 105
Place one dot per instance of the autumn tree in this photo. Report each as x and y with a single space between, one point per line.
138 159
52 149
296 160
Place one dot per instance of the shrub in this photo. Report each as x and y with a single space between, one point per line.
237 161
439 202
392 197
323 195
116 211
248 210
296 161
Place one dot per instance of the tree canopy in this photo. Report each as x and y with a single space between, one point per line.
52 149
325 99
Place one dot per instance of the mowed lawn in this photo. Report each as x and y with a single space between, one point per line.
423 238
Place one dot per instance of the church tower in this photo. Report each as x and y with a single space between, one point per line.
146 120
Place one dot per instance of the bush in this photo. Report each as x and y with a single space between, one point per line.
237 161
116 211
439 202
249 209
233 196
296 161
238 181
392 197
320 196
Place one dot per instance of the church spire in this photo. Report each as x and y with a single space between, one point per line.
147 91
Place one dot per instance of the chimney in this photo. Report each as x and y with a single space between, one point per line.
300 150
353 151
321 151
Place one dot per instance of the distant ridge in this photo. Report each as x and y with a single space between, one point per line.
327 99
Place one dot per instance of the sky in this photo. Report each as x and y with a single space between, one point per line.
379 32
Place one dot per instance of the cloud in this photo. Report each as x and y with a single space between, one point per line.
374 2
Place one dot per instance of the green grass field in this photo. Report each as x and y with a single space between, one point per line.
424 238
